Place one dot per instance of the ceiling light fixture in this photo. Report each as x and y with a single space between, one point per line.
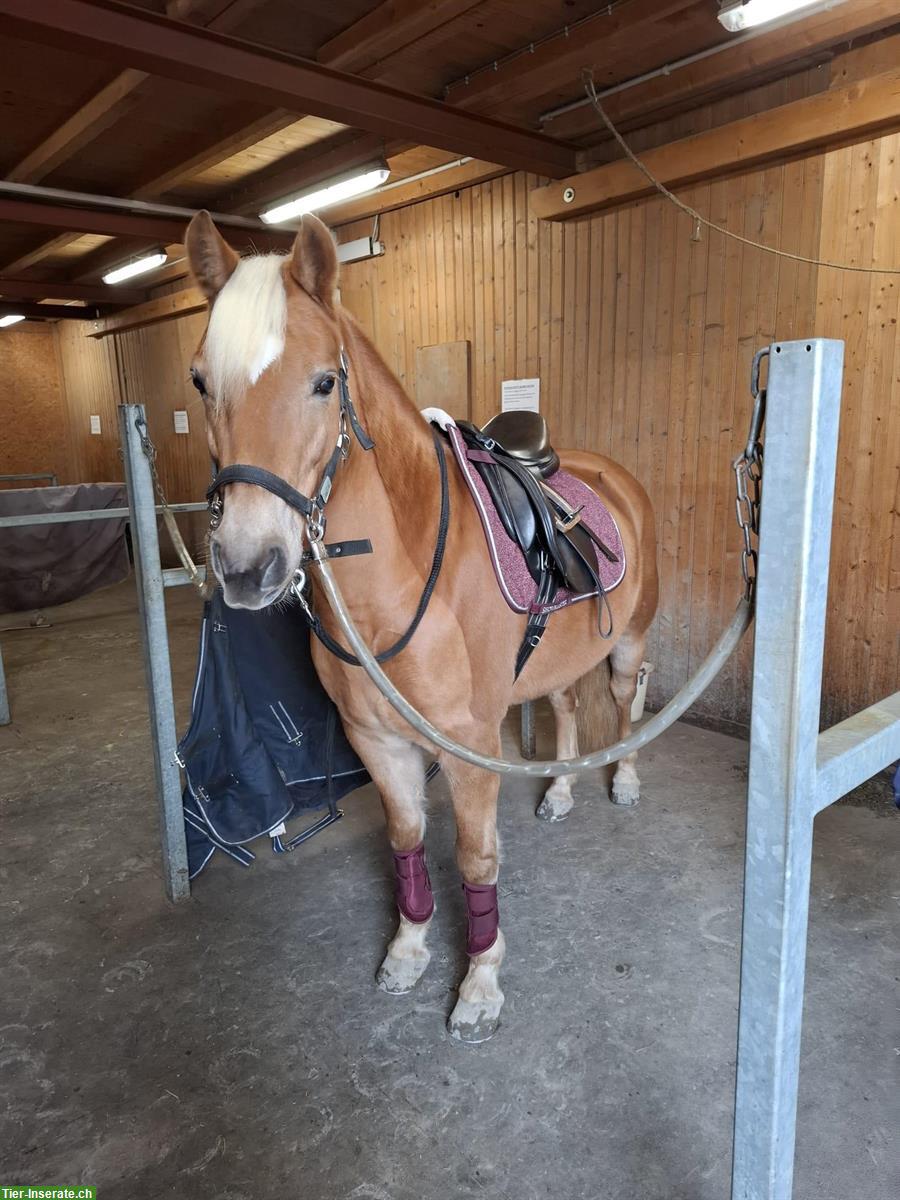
149 262
738 16
341 189
12 319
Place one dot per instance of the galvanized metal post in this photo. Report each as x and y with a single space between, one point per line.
152 609
802 414
528 736
4 695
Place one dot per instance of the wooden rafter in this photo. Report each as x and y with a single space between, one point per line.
165 308
838 117
767 55
116 222
606 36
393 25
110 103
48 312
439 184
164 47
305 168
30 289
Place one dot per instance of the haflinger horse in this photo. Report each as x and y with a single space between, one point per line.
268 370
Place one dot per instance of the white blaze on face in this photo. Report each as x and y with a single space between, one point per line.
246 325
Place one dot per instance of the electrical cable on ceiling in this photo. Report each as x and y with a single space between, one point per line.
698 218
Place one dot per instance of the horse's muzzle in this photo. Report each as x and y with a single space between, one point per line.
253 584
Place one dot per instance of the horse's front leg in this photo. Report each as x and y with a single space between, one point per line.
397 769
477 1013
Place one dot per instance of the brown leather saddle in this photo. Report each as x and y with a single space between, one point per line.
515 458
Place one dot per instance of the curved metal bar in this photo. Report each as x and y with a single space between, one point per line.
680 702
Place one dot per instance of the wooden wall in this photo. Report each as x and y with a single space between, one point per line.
642 338
34 433
146 366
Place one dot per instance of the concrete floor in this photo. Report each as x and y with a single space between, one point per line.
236 1047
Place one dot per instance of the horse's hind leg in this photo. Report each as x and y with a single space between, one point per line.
557 802
397 769
477 1012
625 661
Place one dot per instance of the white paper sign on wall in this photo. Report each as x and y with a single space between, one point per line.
519 394
181 421
95 423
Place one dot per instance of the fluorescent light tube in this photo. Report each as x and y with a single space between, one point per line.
737 17
12 319
355 185
148 263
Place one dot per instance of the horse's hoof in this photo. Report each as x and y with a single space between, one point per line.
474 1021
550 809
625 797
397 976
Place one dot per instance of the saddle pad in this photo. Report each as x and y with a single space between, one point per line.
518 588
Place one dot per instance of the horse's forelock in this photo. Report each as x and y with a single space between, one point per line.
246 325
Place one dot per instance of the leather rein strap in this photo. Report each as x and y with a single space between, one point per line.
313 510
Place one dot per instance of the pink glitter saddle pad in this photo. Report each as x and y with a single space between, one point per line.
518 588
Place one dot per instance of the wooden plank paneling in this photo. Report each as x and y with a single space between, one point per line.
443 378
642 338
32 408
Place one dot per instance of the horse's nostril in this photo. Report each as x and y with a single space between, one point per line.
215 557
273 569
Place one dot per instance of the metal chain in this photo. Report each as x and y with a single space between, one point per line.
747 469
150 453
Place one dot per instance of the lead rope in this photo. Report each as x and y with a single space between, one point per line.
748 471
150 452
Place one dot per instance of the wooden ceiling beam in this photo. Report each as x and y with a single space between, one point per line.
226 65
31 289
737 66
165 308
84 219
100 112
600 41
305 168
48 312
392 26
416 190
840 117
108 105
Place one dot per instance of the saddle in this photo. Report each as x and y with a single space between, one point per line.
514 457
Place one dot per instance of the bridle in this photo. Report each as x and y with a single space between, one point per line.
312 509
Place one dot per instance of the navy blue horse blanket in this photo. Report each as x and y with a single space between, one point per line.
265 741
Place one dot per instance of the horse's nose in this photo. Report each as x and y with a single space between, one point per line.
248 583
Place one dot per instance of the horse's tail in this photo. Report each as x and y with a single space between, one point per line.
596 715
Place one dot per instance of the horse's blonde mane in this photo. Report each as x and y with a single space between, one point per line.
246 325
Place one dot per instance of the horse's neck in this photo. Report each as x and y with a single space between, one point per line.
402 467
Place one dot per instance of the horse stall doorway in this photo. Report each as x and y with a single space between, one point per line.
554 1010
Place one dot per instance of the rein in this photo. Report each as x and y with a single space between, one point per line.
747 467
313 510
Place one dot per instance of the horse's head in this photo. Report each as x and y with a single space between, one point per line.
267 370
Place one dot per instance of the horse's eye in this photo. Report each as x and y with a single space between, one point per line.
198 381
325 386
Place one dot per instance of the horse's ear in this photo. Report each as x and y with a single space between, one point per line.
212 260
314 261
